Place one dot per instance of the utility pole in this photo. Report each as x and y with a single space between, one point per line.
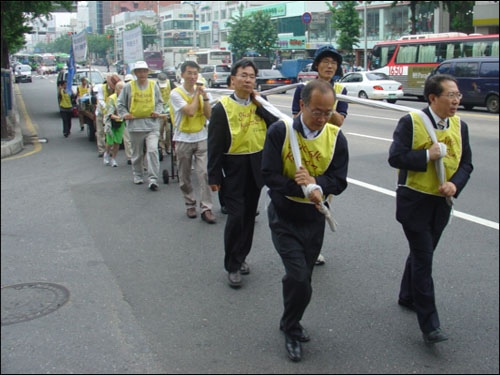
195 5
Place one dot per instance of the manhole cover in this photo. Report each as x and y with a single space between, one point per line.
29 301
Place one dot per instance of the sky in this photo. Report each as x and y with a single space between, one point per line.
63 18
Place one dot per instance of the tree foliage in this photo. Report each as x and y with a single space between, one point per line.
255 32
15 18
345 20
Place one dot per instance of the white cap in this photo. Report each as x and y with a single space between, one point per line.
140 65
128 78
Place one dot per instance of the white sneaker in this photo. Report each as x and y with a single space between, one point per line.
114 163
106 158
320 261
138 180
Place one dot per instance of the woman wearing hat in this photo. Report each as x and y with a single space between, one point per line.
104 90
327 62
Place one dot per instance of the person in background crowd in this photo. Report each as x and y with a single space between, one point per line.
127 145
189 110
421 200
140 104
65 108
80 91
328 64
297 226
165 134
114 127
104 90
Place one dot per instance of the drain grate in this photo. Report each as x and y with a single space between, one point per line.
23 302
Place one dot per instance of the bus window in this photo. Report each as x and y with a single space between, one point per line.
381 56
494 49
407 55
427 53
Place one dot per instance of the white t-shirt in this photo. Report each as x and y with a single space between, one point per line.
178 103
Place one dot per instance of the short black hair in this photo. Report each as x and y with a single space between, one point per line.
317 84
191 64
243 63
228 81
433 85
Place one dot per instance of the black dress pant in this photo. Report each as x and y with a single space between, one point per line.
417 285
241 198
298 243
66 118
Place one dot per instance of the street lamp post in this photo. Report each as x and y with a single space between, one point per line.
366 49
194 5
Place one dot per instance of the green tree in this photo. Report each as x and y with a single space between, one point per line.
15 18
61 44
99 44
345 20
149 33
240 35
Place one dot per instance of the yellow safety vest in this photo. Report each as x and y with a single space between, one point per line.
165 93
248 131
65 99
428 182
105 94
142 103
82 90
337 87
188 124
112 98
316 154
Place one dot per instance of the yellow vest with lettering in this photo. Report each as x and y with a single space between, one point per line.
188 124
165 93
65 99
337 87
248 131
428 182
142 103
316 154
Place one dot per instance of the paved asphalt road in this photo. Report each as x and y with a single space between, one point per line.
148 291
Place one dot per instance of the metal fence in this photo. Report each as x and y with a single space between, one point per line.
6 90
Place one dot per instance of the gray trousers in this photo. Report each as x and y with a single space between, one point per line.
152 158
185 153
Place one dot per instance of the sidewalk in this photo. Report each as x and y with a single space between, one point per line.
15 145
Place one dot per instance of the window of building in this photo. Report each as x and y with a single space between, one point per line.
396 22
291 25
209 17
223 36
216 15
223 14
203 18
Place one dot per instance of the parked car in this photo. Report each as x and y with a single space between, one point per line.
215 75
22 73
307 74
372 85
269 79
477 80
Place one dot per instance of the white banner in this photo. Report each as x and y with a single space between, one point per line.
80 46
132 46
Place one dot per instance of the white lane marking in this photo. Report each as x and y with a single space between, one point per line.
376 117
461 215
370 136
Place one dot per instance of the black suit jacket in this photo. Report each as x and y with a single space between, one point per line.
416 210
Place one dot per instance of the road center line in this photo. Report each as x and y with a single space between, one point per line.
370 136
458 214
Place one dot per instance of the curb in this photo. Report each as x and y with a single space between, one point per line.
14 146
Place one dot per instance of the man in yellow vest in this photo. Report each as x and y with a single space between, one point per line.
421 203
189 110
104 90
140 104
65 108
328 63
235 141
297 226
165 134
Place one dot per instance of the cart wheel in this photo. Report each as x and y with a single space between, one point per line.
165 176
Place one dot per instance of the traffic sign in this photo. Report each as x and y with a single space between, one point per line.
307 18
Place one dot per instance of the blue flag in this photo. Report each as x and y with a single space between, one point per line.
71 71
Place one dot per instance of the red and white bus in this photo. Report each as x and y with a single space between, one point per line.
410 59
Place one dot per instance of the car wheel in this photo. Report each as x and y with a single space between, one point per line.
392 101
362 95
492 103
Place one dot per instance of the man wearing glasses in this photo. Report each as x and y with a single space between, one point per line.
297 227
236 137
328 64
421 205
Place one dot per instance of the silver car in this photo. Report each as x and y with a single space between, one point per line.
215 75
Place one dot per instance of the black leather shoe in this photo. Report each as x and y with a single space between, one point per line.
293 349
407 304
234 279
304 336
434 336
244 268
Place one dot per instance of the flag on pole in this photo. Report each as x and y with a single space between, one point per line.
71 71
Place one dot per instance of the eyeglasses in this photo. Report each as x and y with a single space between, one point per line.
245 76
453 95
329 62
319 114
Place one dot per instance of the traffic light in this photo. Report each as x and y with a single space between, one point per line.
108 36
